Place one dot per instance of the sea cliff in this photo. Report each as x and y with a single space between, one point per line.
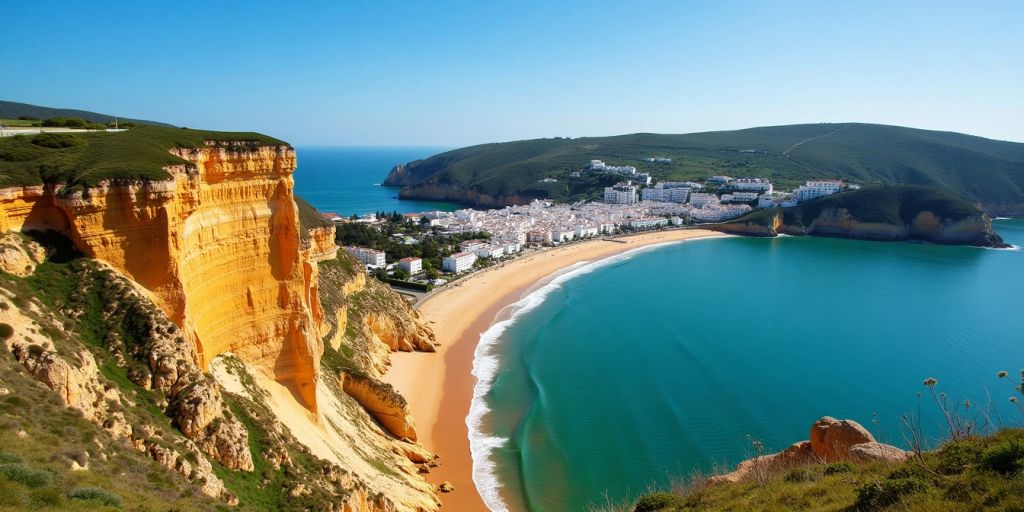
889 214
201 284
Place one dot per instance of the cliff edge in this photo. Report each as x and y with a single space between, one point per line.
189 279
879 213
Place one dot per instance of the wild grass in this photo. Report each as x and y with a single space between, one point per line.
75 160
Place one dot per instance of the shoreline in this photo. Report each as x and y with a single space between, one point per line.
440 392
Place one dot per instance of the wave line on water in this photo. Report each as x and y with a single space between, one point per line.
486 365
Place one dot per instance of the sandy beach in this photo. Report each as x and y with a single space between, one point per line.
439 386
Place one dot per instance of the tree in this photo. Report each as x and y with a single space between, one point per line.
431 273
401 274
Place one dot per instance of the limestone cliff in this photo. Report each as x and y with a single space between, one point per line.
217 246
217 260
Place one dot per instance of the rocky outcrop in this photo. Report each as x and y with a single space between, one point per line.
396 176
399 332
876 452
19 256
840 222
79 387
200 413
831 440
383 403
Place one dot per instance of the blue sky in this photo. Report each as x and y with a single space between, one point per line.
455 73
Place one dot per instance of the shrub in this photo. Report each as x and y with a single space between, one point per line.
836 468
22 474
55 140
656 501
6 458
798 475
6 331
95 494
1005 457
875 495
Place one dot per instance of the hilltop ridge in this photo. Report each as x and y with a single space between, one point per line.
988 172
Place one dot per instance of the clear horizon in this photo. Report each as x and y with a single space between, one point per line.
452 74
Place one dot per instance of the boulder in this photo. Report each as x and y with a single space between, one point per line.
831 439
19 256
877 452
446 487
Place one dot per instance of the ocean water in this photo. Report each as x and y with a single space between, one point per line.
621 375
346 180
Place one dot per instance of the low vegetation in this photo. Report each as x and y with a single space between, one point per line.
82 159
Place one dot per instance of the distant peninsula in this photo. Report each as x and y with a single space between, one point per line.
987 173
880 213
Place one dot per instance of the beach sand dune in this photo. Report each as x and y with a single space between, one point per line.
439 386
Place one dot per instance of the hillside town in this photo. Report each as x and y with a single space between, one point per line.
629 206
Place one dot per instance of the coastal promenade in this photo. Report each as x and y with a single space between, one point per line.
439 387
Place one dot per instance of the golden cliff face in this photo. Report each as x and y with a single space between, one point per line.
218 247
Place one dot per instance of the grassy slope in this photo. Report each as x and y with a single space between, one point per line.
891 205
983 473
86 158
53 434
13 110
984 169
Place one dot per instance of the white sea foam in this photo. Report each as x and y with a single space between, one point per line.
1010 248
486 365
1003 218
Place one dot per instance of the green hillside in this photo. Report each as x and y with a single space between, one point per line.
976 473
14 110
982 169
86 158
884 204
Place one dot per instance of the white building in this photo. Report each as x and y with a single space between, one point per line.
643 178
458 262
623 193
491 251
472 245
816 189
680 184
720 180
513 247
563 235
368 256
598 165
701 199
647 223
665 195
411 265
751 185
739 197
585 231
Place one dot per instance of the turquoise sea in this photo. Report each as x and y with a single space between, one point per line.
621 375
346 180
